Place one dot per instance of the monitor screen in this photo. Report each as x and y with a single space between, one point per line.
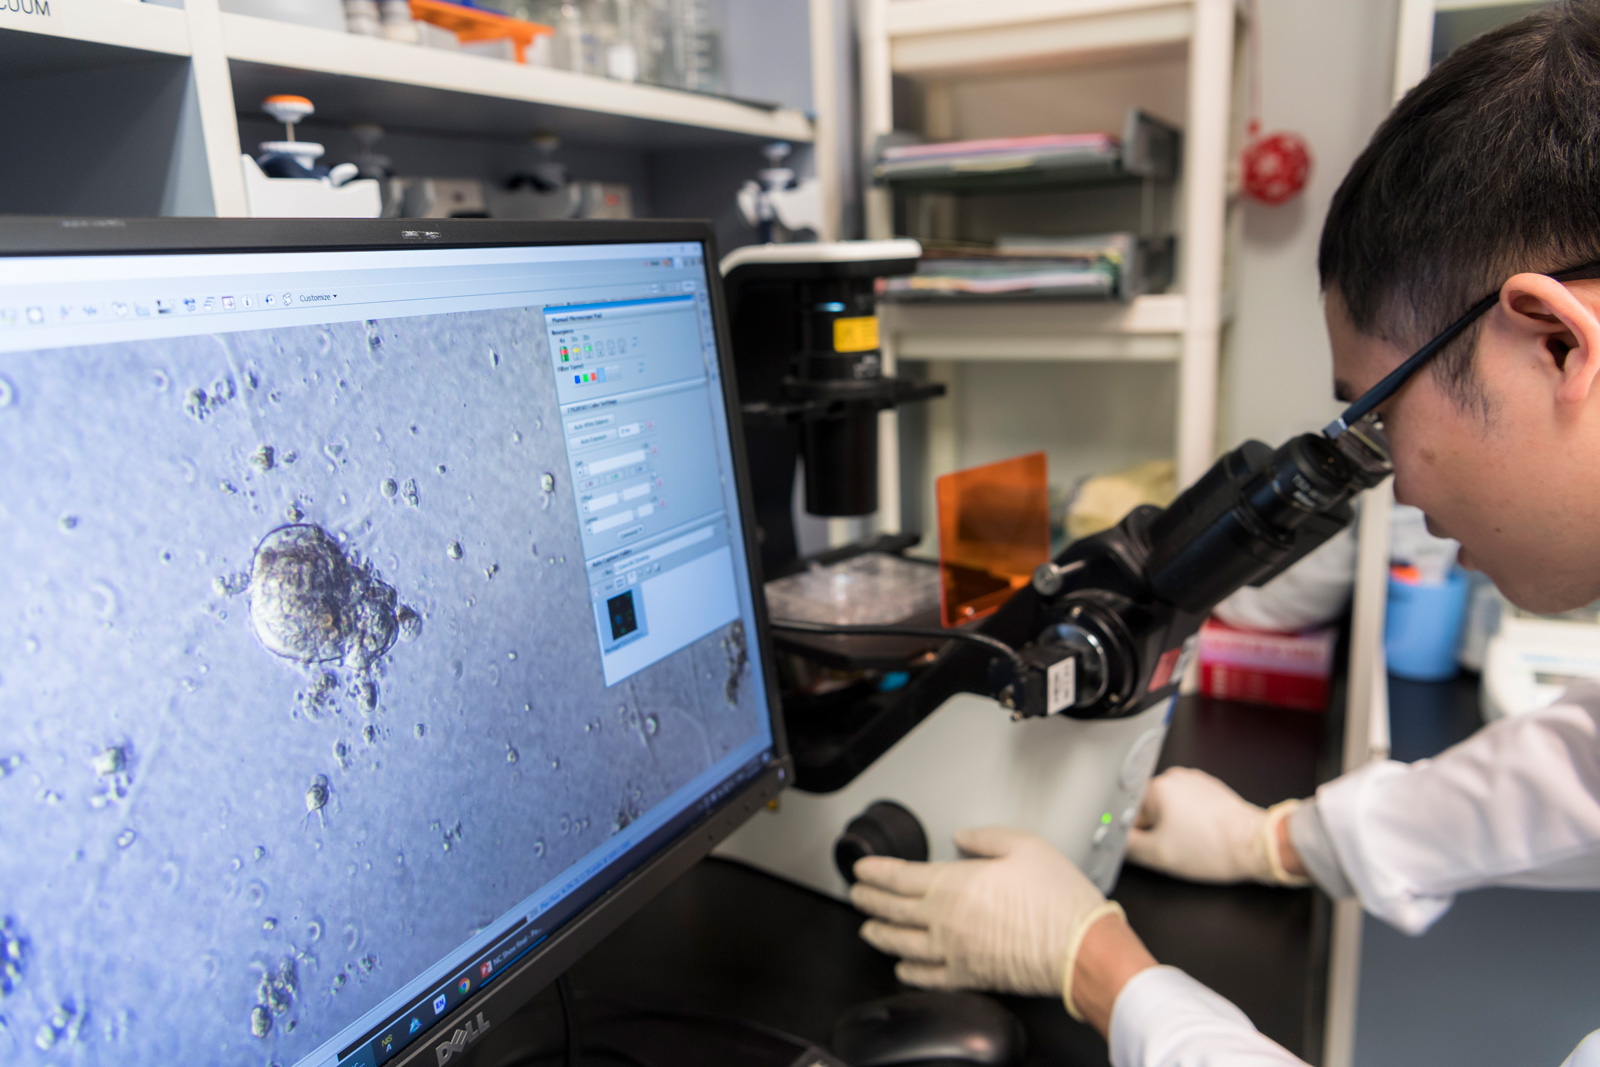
367 615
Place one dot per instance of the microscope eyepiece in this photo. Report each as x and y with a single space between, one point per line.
1257 511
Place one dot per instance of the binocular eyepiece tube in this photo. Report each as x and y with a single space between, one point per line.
1255 512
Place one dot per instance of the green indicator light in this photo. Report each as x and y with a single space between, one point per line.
1105 820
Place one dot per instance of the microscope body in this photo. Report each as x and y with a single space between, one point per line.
1059 734
804 326
1103 636
949 751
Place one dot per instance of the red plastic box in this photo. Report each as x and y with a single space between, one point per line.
1277 669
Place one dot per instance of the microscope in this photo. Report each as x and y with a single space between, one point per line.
805 342
1048 714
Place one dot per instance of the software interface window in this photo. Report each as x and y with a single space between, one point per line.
632 378
366 612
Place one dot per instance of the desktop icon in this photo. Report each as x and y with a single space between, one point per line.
267 300
438 1004
189 303
8 316
36 315
247 301
119 309
416 1024
227 303
485 969
288 298
165 307
464 985
210 304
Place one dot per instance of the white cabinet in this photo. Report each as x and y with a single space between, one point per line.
123 108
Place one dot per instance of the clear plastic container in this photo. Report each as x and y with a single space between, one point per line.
873 588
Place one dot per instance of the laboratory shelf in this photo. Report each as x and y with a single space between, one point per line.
964 58
404 86
1145 329
1022 169
933 38
1148 149
44 37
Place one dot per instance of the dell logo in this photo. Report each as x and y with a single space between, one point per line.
420 235
461 1039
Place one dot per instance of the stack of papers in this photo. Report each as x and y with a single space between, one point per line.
1018 267
998 155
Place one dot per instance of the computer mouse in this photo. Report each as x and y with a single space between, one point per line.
928 1029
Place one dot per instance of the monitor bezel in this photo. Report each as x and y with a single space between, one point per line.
65 236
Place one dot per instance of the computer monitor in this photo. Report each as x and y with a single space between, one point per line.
377 625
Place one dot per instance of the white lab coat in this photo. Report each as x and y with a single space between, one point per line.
1516 804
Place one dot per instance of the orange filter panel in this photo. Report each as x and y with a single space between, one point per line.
994 529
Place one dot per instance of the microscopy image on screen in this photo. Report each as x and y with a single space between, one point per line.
300 680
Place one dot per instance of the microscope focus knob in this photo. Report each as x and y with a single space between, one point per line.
884 829
1049 578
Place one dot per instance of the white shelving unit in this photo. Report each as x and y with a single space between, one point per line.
112 23
999 58
215 66
928 38
117 75
1147 328
456 88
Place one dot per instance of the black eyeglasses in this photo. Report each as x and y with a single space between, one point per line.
1363 417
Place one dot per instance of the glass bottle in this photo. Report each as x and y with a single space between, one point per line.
570 49
696 46
621 42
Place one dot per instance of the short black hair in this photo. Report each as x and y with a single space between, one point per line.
1489 167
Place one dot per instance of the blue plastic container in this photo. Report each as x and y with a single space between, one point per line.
1423 626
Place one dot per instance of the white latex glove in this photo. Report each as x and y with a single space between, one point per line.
1010 920
1192 826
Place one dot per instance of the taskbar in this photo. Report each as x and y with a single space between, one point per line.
562 902
386 1041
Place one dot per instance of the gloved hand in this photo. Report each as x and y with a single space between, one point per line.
1010 920
1192 826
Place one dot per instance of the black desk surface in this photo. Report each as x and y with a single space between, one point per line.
733 941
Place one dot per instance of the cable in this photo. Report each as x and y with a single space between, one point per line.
631 1012
592 1051
687 1016
569 1017
994 644
719 1022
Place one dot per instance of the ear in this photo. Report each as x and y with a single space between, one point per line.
1560 322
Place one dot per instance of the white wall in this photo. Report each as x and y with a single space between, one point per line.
1327 71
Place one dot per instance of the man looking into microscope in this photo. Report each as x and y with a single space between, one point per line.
1482 186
